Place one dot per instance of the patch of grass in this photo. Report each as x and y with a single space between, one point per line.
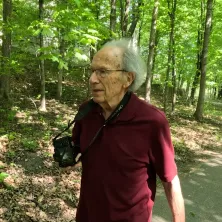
47 154
213 109
42 119
2 130
183 154
219 137
29 144
10 154
2 167
12 136
27 129
59 118
192 214
47 136
11 115
3 175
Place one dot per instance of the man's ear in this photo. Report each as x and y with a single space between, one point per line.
130 76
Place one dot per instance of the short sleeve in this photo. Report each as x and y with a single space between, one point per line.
162 151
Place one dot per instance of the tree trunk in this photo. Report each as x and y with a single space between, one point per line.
151 50
121 15
125 18
180 81
174 82
219 96
199 47
59 84
188 89
197 75
140 28
42 65
171 13
208 25
6 50
97 4
214 92
61 70
113 18
180 85
135 18
155 49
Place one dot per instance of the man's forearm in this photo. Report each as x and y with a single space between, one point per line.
175 199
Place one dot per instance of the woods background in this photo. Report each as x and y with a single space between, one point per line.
46 50
52 42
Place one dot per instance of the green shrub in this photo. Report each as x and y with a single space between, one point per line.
10 154
29 144
3 175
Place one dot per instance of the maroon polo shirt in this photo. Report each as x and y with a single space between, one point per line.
119 171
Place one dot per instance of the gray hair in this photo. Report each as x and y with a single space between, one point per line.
132 61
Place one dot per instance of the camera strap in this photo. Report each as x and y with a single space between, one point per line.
81 113
114 115
85 110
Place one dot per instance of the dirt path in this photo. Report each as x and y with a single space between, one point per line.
202 189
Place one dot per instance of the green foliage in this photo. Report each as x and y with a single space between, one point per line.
12 136
182 153
29 144
192 214
47 135
73 30
3 176
11 115
2 130
10 154
213 109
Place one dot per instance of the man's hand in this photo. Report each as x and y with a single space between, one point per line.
71 168
175 199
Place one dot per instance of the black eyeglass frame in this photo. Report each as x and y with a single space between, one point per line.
104 71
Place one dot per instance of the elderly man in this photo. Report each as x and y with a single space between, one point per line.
119 170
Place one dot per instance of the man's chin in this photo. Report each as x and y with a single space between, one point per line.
97 99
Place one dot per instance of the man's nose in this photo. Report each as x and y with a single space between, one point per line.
93 78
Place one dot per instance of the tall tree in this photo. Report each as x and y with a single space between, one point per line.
152 46
62 6
113 17
6 49
140 28
42 63
208 25
174 83
196 80
97 5
135 17
171 52
61 69
125 18
219 96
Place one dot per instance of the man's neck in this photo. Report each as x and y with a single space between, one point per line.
109 107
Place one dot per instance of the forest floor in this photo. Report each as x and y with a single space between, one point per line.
34 188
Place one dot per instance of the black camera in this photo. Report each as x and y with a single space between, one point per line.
65 153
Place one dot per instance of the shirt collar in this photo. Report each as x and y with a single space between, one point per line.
127 114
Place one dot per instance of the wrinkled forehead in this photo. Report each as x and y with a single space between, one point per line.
111 57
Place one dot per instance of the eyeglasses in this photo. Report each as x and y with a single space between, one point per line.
105 72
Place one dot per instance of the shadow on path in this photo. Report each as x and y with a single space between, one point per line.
202 190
